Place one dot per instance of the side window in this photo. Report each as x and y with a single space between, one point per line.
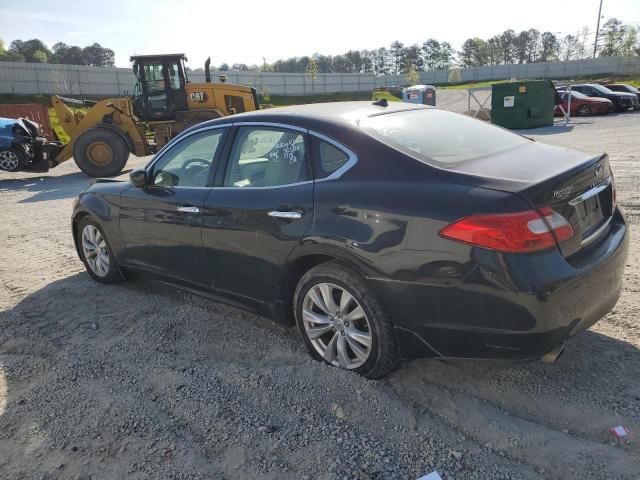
234 104
327 158
266 157
187 163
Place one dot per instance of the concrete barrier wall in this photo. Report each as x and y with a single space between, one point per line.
47 79
570 69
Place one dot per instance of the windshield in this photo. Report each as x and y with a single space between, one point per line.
601 89
440 136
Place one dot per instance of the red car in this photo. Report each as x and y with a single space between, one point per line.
583 105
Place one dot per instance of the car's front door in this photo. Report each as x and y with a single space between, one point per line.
259 210
161 224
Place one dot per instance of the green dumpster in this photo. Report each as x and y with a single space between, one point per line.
527 104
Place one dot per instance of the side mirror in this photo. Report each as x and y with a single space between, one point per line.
138 177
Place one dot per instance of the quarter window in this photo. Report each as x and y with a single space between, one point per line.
188 163
267 157
327 158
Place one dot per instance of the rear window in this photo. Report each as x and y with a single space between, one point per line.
440 136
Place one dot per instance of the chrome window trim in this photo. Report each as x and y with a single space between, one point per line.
175 140
353 158
270 124
222 187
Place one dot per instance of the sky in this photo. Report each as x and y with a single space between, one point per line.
246 31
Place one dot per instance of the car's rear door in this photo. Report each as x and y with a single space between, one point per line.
161 224
258 211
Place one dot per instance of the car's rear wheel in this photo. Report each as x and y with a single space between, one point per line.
342 321
96 253
584 110
11 159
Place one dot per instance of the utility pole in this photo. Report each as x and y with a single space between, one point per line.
264 64
595 45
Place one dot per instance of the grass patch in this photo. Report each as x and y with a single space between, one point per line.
18 99
464 86
390 97
285 100
635 81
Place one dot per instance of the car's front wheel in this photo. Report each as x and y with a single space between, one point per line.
96 253
342 321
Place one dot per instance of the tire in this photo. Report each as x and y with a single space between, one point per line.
584 110
100 152
12 159
347 328
95 268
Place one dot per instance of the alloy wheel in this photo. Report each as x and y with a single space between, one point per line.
584 110
336 325
9 160
95 250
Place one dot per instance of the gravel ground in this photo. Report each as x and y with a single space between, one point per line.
141 381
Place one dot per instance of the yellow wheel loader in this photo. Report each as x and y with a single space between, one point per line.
163 104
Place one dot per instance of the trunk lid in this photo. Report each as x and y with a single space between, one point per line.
577 185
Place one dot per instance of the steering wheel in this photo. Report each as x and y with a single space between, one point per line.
194 173
191 161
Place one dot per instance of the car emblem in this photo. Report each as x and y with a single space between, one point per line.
599 170
563 192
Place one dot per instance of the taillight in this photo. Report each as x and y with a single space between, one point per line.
520 232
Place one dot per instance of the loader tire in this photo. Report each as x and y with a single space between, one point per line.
100 152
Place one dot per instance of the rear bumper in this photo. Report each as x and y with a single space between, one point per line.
510 307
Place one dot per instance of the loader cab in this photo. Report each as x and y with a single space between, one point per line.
160 86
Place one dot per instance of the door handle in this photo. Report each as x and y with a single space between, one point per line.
288 215
188 209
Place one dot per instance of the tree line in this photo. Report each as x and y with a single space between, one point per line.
430 55
527 46
615 39
36 51
507 47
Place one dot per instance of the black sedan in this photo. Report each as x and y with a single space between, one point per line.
383 231
626 88
622 101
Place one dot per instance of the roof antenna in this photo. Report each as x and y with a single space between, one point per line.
381 103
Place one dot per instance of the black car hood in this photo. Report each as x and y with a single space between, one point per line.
517 169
